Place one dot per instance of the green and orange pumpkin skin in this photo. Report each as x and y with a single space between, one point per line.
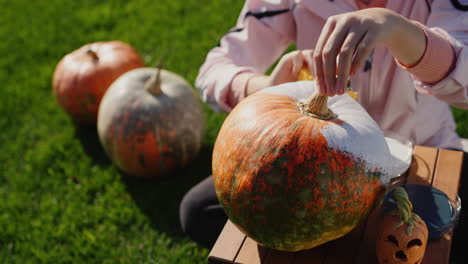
279 181
150 130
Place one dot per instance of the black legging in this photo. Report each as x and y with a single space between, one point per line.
202 217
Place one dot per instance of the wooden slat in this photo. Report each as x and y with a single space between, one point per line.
366 251
422 166
344 250
227 246
448 172
438 252
251 253
311 256
446 178
279 257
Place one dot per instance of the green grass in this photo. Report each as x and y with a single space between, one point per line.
61 200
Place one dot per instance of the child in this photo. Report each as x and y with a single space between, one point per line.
408 60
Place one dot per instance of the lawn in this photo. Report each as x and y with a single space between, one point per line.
61 200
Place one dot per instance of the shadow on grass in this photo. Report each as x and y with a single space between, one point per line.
89 139
160 199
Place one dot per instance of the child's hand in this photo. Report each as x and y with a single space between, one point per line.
290 65
348 39
285 71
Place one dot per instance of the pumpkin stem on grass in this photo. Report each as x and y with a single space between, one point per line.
317 106
93 54
153 84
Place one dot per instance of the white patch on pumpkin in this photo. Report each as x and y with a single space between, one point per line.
359 135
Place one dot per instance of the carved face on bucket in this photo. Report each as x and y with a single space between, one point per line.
395 246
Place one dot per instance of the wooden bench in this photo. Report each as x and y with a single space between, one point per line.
439 168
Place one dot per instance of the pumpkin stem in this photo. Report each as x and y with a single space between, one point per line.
317 106
153 84
93 54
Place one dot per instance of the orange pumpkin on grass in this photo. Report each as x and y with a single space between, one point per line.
82 77
150 122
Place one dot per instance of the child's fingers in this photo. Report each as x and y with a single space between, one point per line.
309 61
298 63
345 58
318 53
329 56
363 51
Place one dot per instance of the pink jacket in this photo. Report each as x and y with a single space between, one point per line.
412 102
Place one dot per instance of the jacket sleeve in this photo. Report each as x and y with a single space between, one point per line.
264 30
451 24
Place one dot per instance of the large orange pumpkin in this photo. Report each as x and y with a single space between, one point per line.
82 77
293 173
150 122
